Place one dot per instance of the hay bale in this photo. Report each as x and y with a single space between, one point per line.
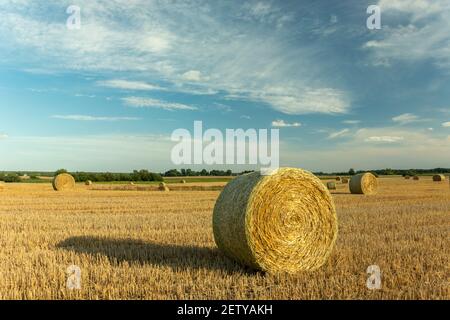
344 180
363 183
331 186
338 178
163 187
284 222
416 178
407 177
88 183
131 183
183 181
63 181
439 177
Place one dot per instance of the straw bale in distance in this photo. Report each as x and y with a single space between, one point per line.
344 180
183 181
407 177
331 186
338 178
88 183
439 177
281 223
416 178
163 187
63 181
363 183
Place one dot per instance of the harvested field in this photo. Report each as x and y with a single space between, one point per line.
159 245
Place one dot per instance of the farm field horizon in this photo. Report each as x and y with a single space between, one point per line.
159 245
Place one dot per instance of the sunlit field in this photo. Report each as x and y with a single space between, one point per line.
133 244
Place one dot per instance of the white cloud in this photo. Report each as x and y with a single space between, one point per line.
161 40
283 124
351 121
245 117
192 75
92 118
386 139
406 118
446 124
141 102
339 134
128 85
3 136
296 101
425 35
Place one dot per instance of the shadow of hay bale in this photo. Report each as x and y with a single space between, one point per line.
177 257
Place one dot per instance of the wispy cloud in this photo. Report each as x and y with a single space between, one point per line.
128 85
423 35
406 118
77 117
386 139
193 75
3 136
446 124
141 102
182 44
351 121
296 101
284 124
339 134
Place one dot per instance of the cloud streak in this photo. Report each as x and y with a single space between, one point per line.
128 85
284 124
141 102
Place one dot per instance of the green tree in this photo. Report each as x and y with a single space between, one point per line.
60 171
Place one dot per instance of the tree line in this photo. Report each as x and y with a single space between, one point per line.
146 175
136 175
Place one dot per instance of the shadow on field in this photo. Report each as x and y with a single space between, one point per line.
177 257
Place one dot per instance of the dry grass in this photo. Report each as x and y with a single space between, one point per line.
156 245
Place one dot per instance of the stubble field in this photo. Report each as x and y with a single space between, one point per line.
159 245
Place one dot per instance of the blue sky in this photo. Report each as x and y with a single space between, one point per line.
108 96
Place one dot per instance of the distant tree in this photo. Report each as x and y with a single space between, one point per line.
60 171
351 172
172 173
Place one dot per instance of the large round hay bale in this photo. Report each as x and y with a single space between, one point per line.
416 178
407 177
439 177
363 183
63 181
88 183
338 178
163 187
331 186
284 222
